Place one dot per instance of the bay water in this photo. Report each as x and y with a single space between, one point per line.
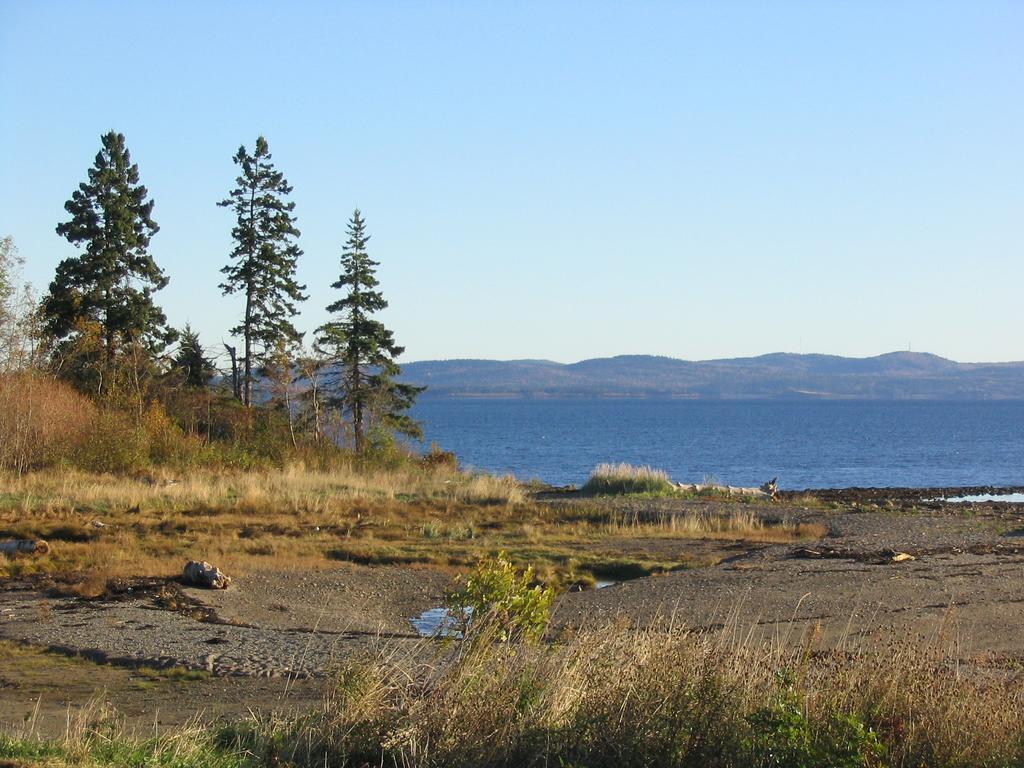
806 443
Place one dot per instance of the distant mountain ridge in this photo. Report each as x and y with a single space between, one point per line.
891 376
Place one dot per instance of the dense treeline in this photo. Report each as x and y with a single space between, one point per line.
92 373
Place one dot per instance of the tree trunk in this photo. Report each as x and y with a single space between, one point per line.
318 428
236 384
291 417
247 400
108 338
249 289
357 410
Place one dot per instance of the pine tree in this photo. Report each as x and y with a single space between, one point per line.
191 360
363 350
263 259
111 284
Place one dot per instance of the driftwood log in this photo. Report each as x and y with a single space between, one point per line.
24 547
202 574
768 490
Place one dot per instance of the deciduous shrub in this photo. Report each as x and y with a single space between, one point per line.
505 600
438 458
114 443
42 421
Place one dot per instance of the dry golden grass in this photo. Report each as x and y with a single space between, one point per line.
105 526
739 524
605 697
293 488
662 696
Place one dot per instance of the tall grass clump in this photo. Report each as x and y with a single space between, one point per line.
617 479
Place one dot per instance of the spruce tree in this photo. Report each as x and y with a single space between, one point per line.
191 360
362 349
111 284
263 259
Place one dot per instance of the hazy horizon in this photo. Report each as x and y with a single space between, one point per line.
561 181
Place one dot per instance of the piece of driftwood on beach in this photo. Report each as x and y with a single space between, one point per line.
767 490
201 574
24 547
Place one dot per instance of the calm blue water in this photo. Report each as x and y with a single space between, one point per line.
814 444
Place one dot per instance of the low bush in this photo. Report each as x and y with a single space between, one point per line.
501 602
438 458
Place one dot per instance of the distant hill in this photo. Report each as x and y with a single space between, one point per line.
893 376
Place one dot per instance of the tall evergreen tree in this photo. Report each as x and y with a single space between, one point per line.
191 360
363 350
111 283
263 259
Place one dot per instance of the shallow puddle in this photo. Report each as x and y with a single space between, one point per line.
438 622
1011 498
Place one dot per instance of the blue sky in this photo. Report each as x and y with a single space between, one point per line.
561 180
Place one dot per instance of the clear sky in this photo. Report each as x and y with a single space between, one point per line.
561 180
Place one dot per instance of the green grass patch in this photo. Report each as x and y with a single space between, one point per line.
105 748
174 674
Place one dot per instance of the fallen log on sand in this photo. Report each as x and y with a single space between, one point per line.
203 574
768 490
24 547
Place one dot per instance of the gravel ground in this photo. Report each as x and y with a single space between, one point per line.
268 625
966 583
134 632
351 599
976 601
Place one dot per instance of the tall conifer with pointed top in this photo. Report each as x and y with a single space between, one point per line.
191 360
263 260
363 349
111 284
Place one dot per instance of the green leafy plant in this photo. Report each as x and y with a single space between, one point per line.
498 596
783 736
